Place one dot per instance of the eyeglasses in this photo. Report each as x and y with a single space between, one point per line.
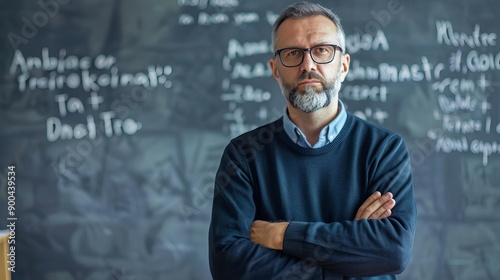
321 54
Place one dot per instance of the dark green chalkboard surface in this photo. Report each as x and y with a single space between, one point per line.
114 114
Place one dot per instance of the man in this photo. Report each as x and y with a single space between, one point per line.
301 197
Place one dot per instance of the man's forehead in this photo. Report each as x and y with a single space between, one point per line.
313 26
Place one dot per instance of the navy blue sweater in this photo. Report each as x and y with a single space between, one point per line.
263 175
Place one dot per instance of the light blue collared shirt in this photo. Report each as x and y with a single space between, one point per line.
327 134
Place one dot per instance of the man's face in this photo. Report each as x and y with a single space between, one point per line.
310 98
309 86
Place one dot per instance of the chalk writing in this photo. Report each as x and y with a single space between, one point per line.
223 13
237 88
364 92
90 75
243 18
81 73
246 93
236 48
450 144
455 86
224 3
486 148
457 125
203 4
386 72
366 42
463 101
481 62
462 144
250 71
211 19
446 35
378 115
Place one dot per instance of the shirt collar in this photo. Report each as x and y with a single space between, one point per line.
327 134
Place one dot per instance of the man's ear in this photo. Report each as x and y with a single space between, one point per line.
344 67
274 69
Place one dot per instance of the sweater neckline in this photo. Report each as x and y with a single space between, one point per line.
316 151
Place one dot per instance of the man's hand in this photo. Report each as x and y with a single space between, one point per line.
377 206
269 235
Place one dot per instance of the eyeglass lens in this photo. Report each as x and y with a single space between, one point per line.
319 54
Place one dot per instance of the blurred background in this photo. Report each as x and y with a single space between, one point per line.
114 115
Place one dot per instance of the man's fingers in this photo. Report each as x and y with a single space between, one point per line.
384 211
368 202
368 207
376 206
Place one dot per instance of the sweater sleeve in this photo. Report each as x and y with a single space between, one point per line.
231 253
365 247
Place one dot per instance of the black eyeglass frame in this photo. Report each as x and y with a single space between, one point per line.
335 47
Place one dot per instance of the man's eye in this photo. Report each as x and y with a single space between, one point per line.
321 50
293 53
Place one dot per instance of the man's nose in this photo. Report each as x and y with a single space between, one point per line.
308 63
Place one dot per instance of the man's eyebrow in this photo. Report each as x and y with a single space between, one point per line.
317 44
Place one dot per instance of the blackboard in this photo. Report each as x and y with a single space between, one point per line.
114 114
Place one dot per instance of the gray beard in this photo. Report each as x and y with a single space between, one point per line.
311 99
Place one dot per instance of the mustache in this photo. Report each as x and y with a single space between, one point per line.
309 75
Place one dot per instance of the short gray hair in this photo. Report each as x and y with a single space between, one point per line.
307 9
